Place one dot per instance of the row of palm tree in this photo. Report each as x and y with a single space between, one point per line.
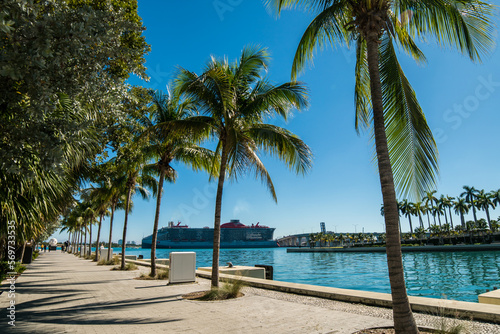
470 198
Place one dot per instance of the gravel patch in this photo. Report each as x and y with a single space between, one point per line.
423 320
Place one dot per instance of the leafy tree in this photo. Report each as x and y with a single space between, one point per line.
406 151
236 100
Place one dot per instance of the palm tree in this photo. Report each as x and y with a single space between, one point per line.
407 209
484 201
419 210
461 207
430 200
441 203
448 203
470 194
495 196
170 133
236 100
383 94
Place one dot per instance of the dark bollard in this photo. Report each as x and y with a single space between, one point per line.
140 257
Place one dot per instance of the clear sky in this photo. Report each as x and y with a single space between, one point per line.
460 99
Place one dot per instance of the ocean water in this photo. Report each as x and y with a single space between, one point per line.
458 276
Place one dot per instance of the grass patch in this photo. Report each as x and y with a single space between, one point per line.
112 262
36 254
227 291
161 274
128 266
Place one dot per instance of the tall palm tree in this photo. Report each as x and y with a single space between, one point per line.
429 201
236 100
470 195
407 209
495 197
461 207
485 201
419 210
441 203
171 132
448 202
403 140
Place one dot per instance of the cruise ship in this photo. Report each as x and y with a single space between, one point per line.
233 235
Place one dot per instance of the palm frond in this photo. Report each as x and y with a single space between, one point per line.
412 148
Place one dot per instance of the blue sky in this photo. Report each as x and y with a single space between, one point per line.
460 99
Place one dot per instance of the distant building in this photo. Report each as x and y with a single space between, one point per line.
120 242
131 243
323 228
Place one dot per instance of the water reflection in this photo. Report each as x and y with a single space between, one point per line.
458 275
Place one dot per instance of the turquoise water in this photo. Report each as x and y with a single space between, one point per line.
458 276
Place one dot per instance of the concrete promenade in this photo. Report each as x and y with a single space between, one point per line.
60 293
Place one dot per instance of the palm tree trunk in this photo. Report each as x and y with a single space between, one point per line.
155 225
474 211
22 252
488 216
451 218
218 205
402 314
127 206
111 230
428 220
81 244
85 243
97 249
90 238
411 227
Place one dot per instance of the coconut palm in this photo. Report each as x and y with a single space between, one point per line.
429 201
236 100
441 203
403 140
470 195
419 209
485 201
171 132
461 207
407 209
495 197
448 203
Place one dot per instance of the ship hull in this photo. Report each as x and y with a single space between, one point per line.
209 244
247 237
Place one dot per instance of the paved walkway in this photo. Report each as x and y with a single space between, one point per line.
60 293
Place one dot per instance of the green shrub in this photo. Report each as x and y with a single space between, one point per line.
36 254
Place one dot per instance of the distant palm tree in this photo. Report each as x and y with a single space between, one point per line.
461 207
407 209
495 197
441 203
470 194
449 204
419 210
430 200
236 100
485 201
